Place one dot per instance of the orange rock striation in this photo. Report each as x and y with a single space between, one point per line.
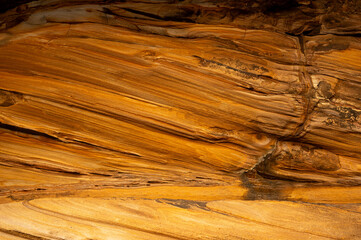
194 119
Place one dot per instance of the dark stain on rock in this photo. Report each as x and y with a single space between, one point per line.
109 12
292 157
185 204
181 16
8 98
345 119
325 90
258 68
218 65
347 113
261 187
184 14
325 161
331 44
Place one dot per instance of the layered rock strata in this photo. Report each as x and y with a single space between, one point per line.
192 119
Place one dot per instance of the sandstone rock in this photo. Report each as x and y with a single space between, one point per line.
195 119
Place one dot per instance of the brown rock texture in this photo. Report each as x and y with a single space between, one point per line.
170 119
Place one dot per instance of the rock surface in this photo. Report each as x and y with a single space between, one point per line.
196 119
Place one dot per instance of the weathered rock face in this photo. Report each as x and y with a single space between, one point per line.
195 119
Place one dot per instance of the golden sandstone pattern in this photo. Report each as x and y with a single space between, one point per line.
196 119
